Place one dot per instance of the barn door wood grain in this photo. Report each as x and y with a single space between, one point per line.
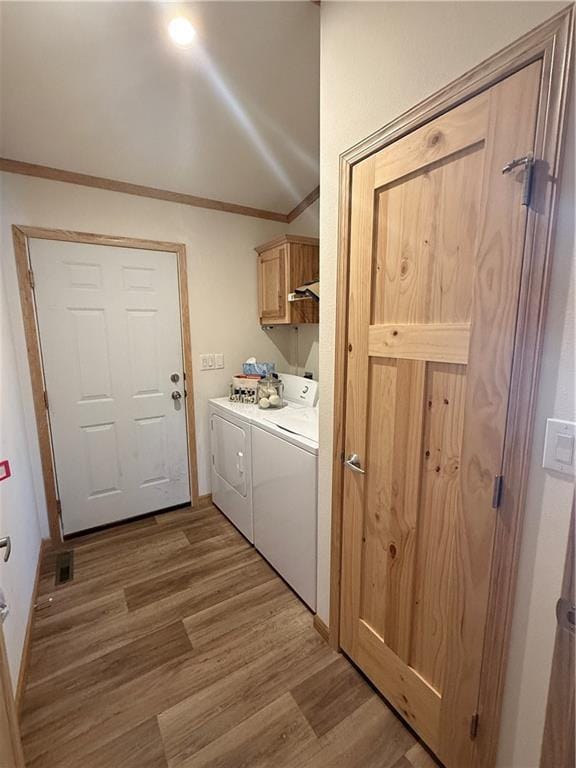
436 246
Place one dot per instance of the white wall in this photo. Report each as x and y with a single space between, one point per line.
18 503
377 60
549 500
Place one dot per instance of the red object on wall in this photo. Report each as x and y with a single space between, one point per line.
5 470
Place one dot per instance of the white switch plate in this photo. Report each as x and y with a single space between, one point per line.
219 360
204 362
560 446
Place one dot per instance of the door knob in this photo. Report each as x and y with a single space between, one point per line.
176 395
353 463
6 544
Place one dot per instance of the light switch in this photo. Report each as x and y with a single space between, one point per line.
565 449
204 362
559 446
219 359
210 361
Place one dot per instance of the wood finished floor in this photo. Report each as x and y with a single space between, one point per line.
177 646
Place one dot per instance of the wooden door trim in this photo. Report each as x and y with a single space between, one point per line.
551 42
21 236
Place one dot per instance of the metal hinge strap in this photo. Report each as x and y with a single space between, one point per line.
46 399
474 725
528 162
59 507
31 279
497 491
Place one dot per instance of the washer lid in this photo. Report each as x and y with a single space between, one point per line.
299 421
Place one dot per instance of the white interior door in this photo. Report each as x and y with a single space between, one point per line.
110 336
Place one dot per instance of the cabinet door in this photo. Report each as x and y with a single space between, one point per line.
272 281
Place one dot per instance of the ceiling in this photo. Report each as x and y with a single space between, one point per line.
99 88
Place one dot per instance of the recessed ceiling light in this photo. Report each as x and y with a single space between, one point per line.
181 31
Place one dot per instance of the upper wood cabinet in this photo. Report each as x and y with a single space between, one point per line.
284 264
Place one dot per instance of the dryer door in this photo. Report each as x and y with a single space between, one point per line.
231 471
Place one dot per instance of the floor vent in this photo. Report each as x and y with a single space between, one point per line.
64 567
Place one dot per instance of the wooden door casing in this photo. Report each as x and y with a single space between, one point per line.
436 245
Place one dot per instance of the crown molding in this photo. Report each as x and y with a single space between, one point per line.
303 204
125 187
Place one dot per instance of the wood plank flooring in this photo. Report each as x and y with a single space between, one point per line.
177 646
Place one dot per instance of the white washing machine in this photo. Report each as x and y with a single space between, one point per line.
264 478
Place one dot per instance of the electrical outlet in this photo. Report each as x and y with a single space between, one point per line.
219 360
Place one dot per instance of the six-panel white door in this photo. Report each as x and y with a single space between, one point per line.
110 337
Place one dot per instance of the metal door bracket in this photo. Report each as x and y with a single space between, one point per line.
497 491
528 163
31 279
474 725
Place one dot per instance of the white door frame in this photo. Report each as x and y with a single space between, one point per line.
21 236
551 42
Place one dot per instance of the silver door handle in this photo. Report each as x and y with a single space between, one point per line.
176 395
353 463
6 544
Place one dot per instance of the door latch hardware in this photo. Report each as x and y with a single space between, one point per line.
474 725
528 162
176 395
6 545
353 463
497 491
566 614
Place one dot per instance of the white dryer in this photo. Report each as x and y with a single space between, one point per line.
264 478
231 469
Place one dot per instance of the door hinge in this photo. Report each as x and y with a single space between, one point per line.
46 399
31 279
497 491
474 725
528 162
59 507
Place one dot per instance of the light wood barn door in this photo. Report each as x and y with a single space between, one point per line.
437 235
